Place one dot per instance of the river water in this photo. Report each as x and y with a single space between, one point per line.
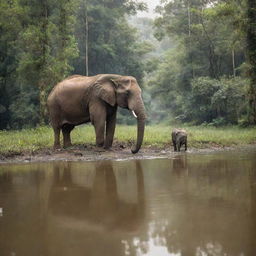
191 204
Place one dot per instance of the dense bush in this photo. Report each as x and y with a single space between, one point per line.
216 101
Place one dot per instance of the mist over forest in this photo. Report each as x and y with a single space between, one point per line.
195 60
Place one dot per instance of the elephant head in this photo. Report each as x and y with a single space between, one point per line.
124 92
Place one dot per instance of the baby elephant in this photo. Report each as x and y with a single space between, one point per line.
179 138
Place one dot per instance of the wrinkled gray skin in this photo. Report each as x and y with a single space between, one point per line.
179 138
80 99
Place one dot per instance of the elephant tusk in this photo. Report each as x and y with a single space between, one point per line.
134 114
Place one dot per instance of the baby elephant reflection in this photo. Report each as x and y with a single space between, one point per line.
179 138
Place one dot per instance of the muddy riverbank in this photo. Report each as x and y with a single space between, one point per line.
117 152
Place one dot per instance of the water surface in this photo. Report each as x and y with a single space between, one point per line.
194 204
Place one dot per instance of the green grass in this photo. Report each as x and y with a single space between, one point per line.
32 140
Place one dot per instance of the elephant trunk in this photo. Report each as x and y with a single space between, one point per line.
141 117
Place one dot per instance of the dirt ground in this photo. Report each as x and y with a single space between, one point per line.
93 153
83 153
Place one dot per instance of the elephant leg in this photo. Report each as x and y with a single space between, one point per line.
174 145
99 127
185 145
110 129
56 137
98 119
66 129
178 146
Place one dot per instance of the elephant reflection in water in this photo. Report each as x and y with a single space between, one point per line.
252 241
21 222
79 216
179 165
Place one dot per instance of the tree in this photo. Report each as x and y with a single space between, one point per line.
251 58
46 46
10 25
42 42
209 50
102 28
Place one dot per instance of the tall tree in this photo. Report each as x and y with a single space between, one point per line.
251 56
106 42
46 46
10 25
209 45
38 49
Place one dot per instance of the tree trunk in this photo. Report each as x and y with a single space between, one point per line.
233 62
86 40
251 59
43 106
41 82
189 38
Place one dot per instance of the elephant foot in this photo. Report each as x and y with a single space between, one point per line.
99 149
107 146
100 145
67 145
109 149
56 147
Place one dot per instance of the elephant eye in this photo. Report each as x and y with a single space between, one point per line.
127 93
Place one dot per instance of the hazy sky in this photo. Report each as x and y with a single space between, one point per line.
151 6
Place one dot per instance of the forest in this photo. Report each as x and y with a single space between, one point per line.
195 60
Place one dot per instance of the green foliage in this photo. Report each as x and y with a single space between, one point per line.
201 79
200 108
10 25
218 102
209 38
112 43
197 100
24 110
195 73
251 58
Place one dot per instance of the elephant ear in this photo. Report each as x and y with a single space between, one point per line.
106 91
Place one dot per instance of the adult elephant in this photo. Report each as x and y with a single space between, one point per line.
81 99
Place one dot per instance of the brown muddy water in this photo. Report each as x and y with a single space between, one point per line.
192 204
